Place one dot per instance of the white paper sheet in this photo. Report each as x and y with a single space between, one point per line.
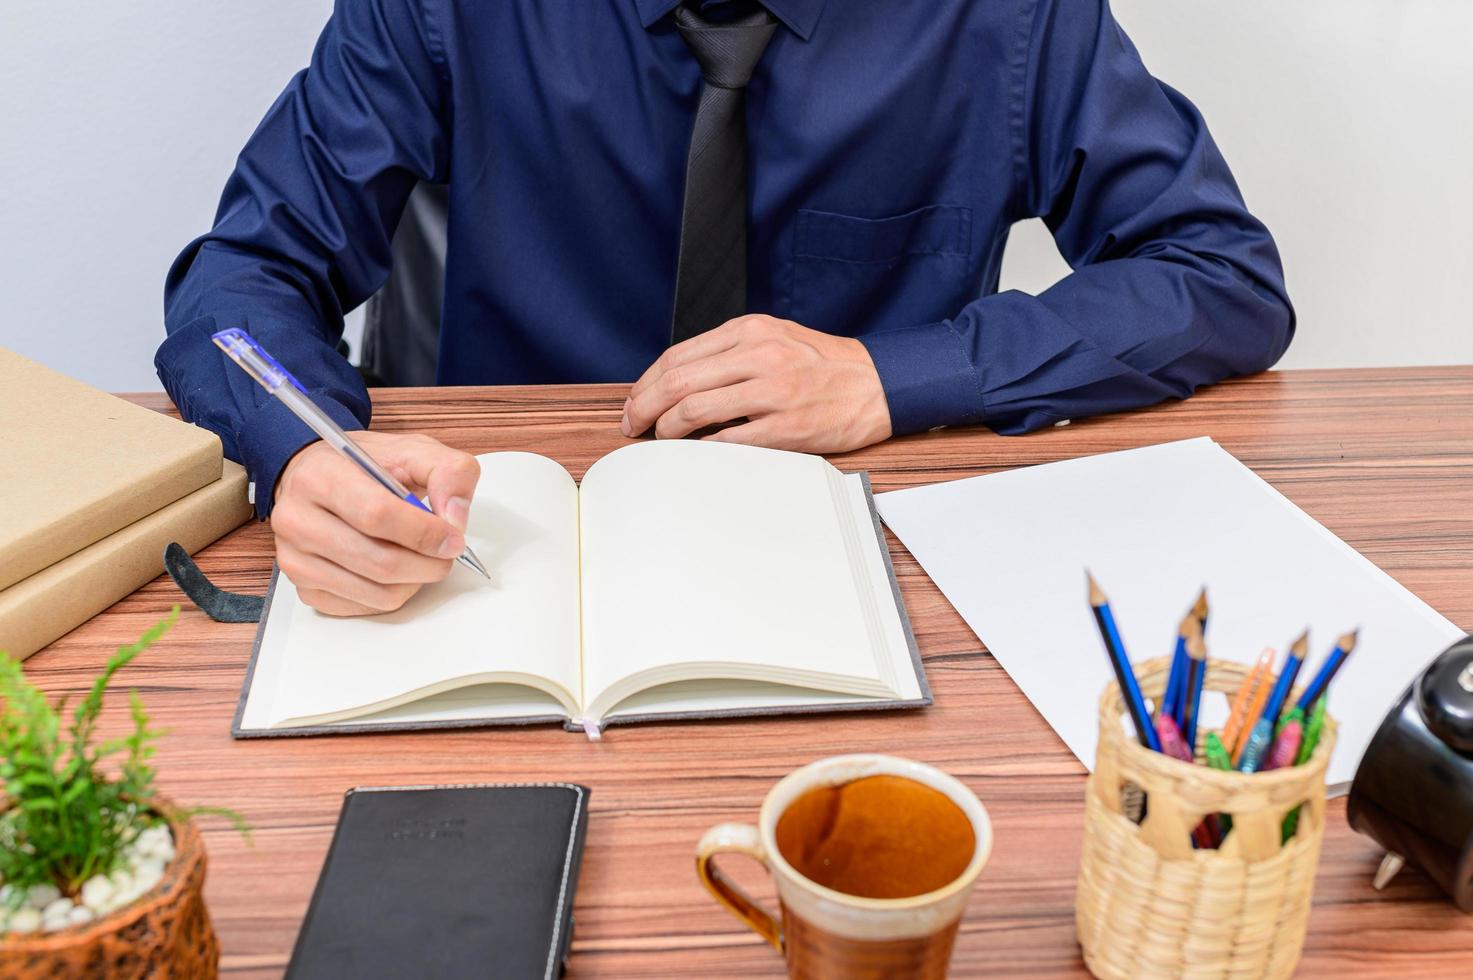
1010 550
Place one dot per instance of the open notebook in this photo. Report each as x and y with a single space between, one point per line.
683 579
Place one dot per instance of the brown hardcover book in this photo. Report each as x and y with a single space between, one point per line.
38 609
77 464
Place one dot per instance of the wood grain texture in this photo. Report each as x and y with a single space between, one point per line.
1384 458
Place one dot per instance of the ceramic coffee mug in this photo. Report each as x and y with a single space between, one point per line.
867 836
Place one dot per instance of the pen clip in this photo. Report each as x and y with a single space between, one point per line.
242 348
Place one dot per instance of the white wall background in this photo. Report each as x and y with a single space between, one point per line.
1349 124
119 123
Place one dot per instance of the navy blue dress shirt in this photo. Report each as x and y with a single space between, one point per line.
892 145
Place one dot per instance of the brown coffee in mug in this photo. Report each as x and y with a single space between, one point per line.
877 837
874 858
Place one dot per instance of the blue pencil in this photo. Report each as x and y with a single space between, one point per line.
1196 677
1312 693
1120 661
1171 699
1261 735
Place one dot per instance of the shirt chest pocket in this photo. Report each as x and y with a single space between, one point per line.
853 275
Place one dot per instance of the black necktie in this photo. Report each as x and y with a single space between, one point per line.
711 279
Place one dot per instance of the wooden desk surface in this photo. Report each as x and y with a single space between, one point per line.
1383 458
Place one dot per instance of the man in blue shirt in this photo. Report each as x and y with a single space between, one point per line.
873 154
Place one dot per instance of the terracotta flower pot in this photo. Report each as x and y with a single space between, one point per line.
165 934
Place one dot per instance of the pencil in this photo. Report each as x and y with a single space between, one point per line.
1130 690
1196 676
1251 695
1172 743
1293 714
1285 685
1170 705
1217 758
1200 608
1313 727
1286 746
1316 687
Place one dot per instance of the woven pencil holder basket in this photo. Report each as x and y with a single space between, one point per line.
1148 905
165 935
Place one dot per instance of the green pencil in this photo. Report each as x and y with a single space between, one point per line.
1217 753
1218 758
1313 729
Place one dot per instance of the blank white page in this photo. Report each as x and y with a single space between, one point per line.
524 528
728 556
1154 525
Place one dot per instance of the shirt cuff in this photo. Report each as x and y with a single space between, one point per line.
271 435
928 378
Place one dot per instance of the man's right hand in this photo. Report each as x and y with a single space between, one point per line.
350 547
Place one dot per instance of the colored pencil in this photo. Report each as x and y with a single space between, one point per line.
1316 687
1286 746
1172 743
1293 714
1130 689
1204 834
1313 728
1196 677
1251 695
1284 687
1171 700
1218 758
1216 752
1170 705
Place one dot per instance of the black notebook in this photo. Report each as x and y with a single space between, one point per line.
441 882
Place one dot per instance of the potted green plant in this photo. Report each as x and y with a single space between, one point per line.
99 875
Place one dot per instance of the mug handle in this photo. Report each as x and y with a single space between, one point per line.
739 838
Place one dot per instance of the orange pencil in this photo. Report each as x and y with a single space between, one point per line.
1249 702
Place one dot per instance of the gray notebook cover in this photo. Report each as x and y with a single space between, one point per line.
414 726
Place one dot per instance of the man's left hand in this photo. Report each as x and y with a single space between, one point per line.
798 389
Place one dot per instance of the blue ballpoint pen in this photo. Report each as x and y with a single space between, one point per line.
253 359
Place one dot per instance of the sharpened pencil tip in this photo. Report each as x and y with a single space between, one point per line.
1301 645
1096 594
1347 642
1199 608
